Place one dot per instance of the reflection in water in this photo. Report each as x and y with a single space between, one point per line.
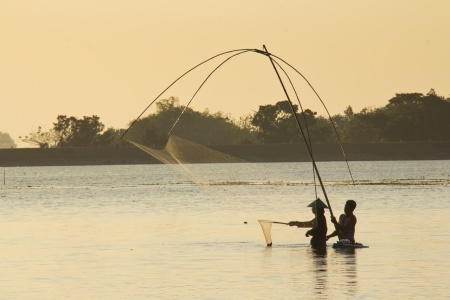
346 262
319 259
335 265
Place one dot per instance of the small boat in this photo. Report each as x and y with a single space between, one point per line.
347 244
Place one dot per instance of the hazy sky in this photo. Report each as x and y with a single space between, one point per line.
111 58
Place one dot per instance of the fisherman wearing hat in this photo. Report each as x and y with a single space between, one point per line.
318 224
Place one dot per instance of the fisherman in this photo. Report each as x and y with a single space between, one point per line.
345 229
318 224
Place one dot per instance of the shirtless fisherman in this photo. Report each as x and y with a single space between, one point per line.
345 229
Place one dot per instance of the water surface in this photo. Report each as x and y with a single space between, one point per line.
151 232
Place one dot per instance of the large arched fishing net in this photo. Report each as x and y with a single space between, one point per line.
179 136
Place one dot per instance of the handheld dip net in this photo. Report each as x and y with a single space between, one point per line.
266 227
181 143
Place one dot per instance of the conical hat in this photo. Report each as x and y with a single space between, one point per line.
318 204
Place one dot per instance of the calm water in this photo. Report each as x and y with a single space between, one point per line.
150 232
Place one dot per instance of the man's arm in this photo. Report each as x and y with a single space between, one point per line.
348 226
302 224
335 233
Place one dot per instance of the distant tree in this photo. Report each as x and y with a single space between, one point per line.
316 128
110 138
322 131
276 123
42 139
86 132
407 117
153 138
417 117
200 127
245 122
366 126
341 122
73 132
6 141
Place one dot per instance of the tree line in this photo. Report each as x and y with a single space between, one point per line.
6 141
406 117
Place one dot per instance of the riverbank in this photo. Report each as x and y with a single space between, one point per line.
252 153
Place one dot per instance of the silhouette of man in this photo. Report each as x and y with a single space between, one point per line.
318 224
345 228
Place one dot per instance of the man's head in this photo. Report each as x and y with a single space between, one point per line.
350 206
320 211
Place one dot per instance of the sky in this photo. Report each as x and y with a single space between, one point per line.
111 58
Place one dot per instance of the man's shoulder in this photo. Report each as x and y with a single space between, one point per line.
345 217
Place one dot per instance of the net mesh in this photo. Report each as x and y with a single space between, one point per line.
181 154
182 151
266 226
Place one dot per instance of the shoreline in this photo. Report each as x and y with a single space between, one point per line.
24 157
